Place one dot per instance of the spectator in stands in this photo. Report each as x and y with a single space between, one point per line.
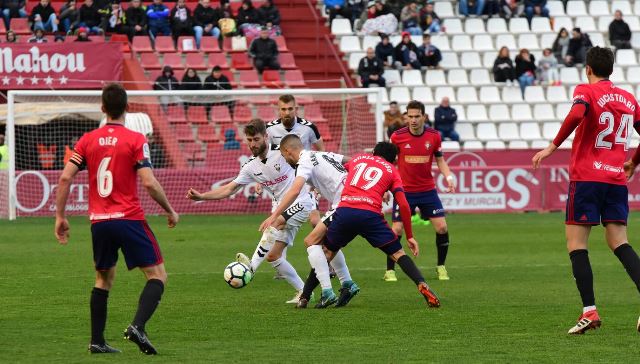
393 119
89 17
619 32
381 8
44 17
264 52
384 51
429 55
548 68
561 45
357 8
510 9
181 20
406 54
338 7
115 20
493 8
248 19
10 37
205 19
83 35
270 17
38 37
69 16
190 81
371 69
525 69
578 47
377 20
230 142
445 120
410 18
166 81
158 19
429 20
158 160
535 8
136 20
503 70
217 81
58 39
13 9
464 7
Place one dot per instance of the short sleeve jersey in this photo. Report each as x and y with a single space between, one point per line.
415 157
368 179
112 155
602 138
304 129
323 171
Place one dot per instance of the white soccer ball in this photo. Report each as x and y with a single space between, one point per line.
237 275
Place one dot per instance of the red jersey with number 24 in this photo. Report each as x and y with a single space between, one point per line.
603 137
112 155
368 179
415 157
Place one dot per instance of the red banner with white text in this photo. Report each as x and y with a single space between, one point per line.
76 65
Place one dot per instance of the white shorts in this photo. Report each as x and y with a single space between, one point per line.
296 215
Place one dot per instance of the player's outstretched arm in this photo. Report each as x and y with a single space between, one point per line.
405 215
215 194
62 194
444 169
155 190
571 122
287 200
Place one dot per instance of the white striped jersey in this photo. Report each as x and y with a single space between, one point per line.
305 130
325 172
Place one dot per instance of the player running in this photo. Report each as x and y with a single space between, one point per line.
418 145
325 172
271 170
603 115
114 157
359 213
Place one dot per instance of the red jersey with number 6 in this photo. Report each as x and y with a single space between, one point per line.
604 135
112 155
368 179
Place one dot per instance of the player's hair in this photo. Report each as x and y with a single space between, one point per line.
255 127
386 150
287 98
290 140
601 61
416 105
114 100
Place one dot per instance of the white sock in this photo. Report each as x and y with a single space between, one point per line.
264 245
288 272
318 261
339 264
588 308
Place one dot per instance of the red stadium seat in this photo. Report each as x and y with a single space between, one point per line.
3 30
323 129
218 59
122 39
207 133
174 60
20 26
195 61
313 113
282 44
231 77
220 114
193 151
209 45
240 61
197 115
267 112
242 114
183 133
226 46
249 79
294 78
164 44
97 38
216 153
187 44
287 62
141 43
150 61
271 79
175 114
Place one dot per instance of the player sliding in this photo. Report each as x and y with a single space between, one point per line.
269 169
603 115
418 145
114 157
359 213
325 172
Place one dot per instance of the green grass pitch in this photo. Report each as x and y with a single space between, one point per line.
511 298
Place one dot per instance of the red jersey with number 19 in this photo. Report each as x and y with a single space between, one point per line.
603 137
368 179
415 157
112 155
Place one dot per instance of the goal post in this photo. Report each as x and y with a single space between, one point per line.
197 136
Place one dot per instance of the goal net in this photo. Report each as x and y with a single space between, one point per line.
195 138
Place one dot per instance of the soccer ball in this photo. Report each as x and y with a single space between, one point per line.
237 275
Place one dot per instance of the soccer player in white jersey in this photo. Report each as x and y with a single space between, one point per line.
272 171
325 172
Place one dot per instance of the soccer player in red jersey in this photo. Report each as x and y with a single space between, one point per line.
418 146
360 213
115 157
602 116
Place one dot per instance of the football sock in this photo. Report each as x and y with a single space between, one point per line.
410 269
339 264
391 265
442 243
288 272
630 261
265 244
318 262
98 305
149 300
583 276
310 284
588 308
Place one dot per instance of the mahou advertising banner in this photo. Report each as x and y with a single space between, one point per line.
59 65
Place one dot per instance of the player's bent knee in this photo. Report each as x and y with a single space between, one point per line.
272 257
397 255
442 229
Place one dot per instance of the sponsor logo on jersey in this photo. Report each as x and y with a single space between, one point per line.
275 181
428 145
407 146
277 167
416 159
606 167
583 217
597 165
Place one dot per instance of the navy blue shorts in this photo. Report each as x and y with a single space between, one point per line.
428 202
591 203
135 238
347 223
